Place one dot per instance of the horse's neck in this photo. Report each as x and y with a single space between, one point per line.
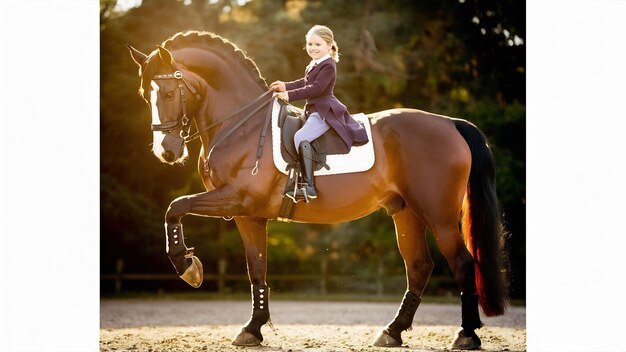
225 102
231 85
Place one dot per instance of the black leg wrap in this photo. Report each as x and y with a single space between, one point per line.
470 319
176 248
260 310
404 317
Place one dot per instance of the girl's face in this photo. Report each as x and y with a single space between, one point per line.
317 47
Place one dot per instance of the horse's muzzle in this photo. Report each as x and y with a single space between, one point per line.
168 156
173 147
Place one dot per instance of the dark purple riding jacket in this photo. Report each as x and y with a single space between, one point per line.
317 88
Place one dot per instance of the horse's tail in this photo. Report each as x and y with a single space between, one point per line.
483 230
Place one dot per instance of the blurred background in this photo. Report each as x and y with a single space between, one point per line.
462 58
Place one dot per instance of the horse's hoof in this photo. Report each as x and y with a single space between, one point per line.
385 340
194 274
246 339
465 342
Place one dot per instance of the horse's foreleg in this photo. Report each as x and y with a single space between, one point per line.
410 234
254 236
223 201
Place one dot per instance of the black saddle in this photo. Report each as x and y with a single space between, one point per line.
290 120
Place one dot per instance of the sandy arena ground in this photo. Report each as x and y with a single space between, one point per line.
164 325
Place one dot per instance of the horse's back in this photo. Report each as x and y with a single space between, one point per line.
418 133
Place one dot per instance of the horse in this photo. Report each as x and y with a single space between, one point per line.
431 171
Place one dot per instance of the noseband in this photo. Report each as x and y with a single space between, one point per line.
262 100
184 120
184 133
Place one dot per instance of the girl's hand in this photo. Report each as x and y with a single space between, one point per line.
278 86
282 95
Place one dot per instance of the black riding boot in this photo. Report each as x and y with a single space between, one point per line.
307 191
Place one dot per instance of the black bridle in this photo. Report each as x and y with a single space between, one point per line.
183 119
262 100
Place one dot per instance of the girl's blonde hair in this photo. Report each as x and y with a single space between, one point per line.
327 35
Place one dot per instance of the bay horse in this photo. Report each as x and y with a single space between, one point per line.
430 171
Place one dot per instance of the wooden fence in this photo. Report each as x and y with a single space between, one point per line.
322 279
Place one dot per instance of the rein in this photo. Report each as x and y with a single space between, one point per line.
263 99
257 100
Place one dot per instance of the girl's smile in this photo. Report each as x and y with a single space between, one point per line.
317 47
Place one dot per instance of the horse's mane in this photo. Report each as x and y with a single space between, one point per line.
210 40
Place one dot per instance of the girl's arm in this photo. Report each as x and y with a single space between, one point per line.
299 83
314 88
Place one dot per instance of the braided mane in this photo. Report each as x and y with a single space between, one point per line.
208 39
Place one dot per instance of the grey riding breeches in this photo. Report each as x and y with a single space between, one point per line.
314 127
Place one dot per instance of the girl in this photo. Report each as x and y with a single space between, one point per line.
322 109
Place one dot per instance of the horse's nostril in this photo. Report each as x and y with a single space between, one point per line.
168 156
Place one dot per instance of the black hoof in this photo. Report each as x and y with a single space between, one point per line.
245 338
465 341
385 340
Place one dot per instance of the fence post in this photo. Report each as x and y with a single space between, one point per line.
119 269
379 277
222 264
324 273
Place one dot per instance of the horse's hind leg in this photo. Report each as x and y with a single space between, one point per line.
410 234
450 243
254 236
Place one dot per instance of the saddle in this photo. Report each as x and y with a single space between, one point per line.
290 120
287 121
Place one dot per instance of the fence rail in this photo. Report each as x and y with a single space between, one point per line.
322 279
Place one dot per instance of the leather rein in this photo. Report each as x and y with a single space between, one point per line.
262 101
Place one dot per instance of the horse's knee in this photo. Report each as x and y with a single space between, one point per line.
178 208
420 270
418 274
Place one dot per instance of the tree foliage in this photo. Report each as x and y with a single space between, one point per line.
463 58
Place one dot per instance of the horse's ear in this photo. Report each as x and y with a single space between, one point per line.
165 56
137 55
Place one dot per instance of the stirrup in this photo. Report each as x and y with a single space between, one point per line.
300 194
306 195
297 195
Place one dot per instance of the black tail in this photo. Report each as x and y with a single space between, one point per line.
482 226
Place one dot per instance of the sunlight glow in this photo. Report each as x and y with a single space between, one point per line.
125 5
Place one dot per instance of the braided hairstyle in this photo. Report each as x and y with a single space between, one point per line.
327 35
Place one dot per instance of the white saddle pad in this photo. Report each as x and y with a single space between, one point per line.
359 159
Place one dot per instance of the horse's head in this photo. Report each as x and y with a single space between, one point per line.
173 94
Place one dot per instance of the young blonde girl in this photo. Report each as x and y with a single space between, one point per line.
322 109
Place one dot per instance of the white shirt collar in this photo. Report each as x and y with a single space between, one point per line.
318 61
